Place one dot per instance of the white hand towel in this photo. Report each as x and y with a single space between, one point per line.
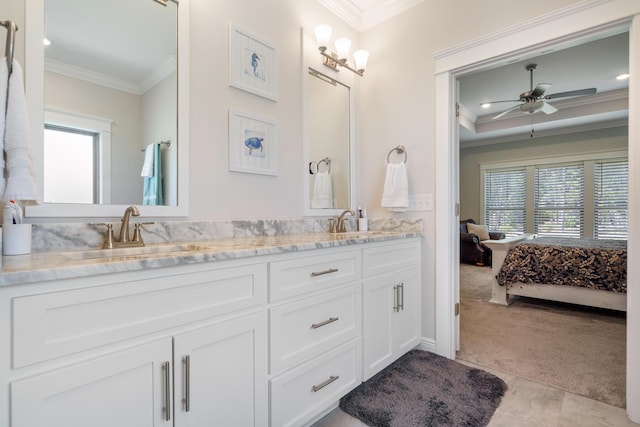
322 192
21 181
147 166
396 188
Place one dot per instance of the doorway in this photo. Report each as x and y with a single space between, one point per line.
571 28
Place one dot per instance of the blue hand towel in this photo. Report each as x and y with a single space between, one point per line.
153 191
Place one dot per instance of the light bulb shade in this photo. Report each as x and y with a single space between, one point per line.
361 57
343 45
323 35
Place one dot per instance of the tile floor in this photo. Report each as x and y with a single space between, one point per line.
529 404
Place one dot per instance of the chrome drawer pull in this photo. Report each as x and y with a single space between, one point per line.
167 391
186 362
322 385
326 322
320 273
401 304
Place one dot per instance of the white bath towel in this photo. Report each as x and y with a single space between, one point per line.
322 191
147 166
395 196
18 168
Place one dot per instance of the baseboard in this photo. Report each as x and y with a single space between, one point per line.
427 344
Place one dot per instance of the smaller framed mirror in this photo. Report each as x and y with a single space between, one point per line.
329 144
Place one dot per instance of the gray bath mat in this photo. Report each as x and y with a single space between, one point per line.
424 389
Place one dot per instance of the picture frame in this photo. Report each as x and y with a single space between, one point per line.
253 64
253 144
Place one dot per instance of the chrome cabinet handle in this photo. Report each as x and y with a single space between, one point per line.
401 304
167 391
324 323
395 298
186 400
320 273
325 383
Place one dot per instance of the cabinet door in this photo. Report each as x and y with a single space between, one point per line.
406 320
378 303
221 374
125 389
391 318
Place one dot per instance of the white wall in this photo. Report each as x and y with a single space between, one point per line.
215 192
614 139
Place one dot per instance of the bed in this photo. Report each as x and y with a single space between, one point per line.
578 271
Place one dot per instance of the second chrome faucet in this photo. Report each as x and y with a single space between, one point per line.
337 225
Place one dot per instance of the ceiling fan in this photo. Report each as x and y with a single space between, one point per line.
535 100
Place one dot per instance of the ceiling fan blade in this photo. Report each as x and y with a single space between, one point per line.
579 92
505 112
548 108
540 89
496 102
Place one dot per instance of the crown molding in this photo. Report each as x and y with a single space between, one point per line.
90 76
363 20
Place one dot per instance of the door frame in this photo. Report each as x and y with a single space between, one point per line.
573 25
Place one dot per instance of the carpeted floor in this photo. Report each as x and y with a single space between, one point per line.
576 349
422 389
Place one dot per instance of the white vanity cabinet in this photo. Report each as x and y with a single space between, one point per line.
269 340
391 300
184 346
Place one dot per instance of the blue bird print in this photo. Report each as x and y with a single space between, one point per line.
254 143
255 59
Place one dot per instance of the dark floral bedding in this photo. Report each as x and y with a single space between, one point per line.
589 263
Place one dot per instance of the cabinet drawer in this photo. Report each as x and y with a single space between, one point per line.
306 328
61 323
305 274
304 392
383 259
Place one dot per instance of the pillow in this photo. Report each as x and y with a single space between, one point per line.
480 230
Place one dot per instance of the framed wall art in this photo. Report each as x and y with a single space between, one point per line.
253 64
253 145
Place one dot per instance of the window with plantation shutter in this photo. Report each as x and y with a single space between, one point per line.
559 200
610 199
505 200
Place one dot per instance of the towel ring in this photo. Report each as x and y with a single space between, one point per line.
400 150
326 161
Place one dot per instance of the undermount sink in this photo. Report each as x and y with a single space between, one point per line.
154 249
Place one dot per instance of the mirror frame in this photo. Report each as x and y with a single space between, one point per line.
34 85
313 60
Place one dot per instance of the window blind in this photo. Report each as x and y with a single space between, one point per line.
610 199
505 200
559 200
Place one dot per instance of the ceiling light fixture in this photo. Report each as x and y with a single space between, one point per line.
486 105
622 76
343 45
46 42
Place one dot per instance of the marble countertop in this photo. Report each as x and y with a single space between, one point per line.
52 265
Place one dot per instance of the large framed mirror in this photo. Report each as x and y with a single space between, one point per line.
329 166
113 81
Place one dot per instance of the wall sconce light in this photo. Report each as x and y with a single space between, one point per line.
339 58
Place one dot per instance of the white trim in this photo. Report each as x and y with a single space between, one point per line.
90 76
427 344
574 25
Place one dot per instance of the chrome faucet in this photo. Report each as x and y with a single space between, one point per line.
124 235
340 226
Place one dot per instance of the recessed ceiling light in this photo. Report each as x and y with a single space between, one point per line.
486 105
46 41
622 76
